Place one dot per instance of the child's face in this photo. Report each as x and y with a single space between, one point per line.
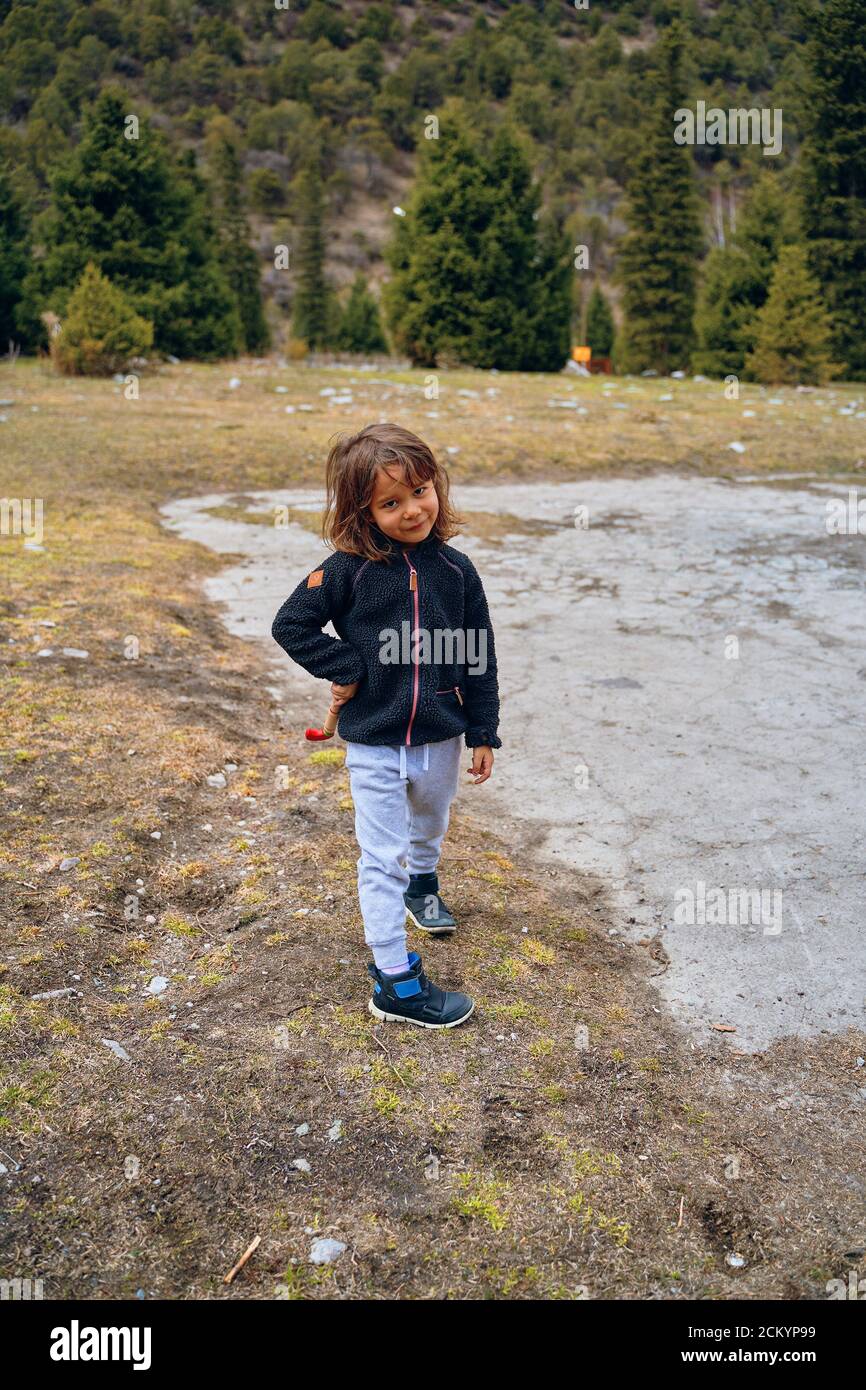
403 512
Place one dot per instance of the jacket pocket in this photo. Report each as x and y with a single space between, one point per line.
453 690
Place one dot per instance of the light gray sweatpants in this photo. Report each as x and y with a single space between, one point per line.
402 800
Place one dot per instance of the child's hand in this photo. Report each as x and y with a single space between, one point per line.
341 693
482 764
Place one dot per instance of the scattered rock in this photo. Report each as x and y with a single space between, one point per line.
324 1252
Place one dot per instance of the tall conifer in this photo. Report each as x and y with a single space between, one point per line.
239 260
311 320
833 180
659 253
142 218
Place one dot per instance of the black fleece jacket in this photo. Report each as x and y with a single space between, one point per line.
452 687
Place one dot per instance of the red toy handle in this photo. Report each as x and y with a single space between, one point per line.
328 729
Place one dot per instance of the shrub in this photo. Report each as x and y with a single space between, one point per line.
101 331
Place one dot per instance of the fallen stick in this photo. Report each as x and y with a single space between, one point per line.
242 1261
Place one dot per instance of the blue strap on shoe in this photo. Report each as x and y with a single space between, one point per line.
406 989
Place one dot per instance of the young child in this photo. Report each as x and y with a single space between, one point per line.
414 672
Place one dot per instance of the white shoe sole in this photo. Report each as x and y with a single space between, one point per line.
431 931
401 1018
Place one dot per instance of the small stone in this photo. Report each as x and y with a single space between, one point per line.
324 1252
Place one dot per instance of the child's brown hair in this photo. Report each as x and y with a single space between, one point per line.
350 479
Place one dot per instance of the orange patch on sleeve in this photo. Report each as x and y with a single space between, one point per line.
315 579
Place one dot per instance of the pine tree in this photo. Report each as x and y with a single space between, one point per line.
507 278
793 331
311 319
658 254
833 164
361 326
239 260
142 218
14 259
432 300
101 331
599 324
546 316
477 276
736 281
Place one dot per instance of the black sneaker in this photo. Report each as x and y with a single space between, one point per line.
412 998
425 907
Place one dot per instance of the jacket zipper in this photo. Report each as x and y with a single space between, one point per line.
413 588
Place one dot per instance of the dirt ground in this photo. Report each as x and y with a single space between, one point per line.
568 1142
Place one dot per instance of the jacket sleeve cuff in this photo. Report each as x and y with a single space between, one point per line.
482 738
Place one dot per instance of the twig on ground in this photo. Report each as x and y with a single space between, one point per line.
243 1259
